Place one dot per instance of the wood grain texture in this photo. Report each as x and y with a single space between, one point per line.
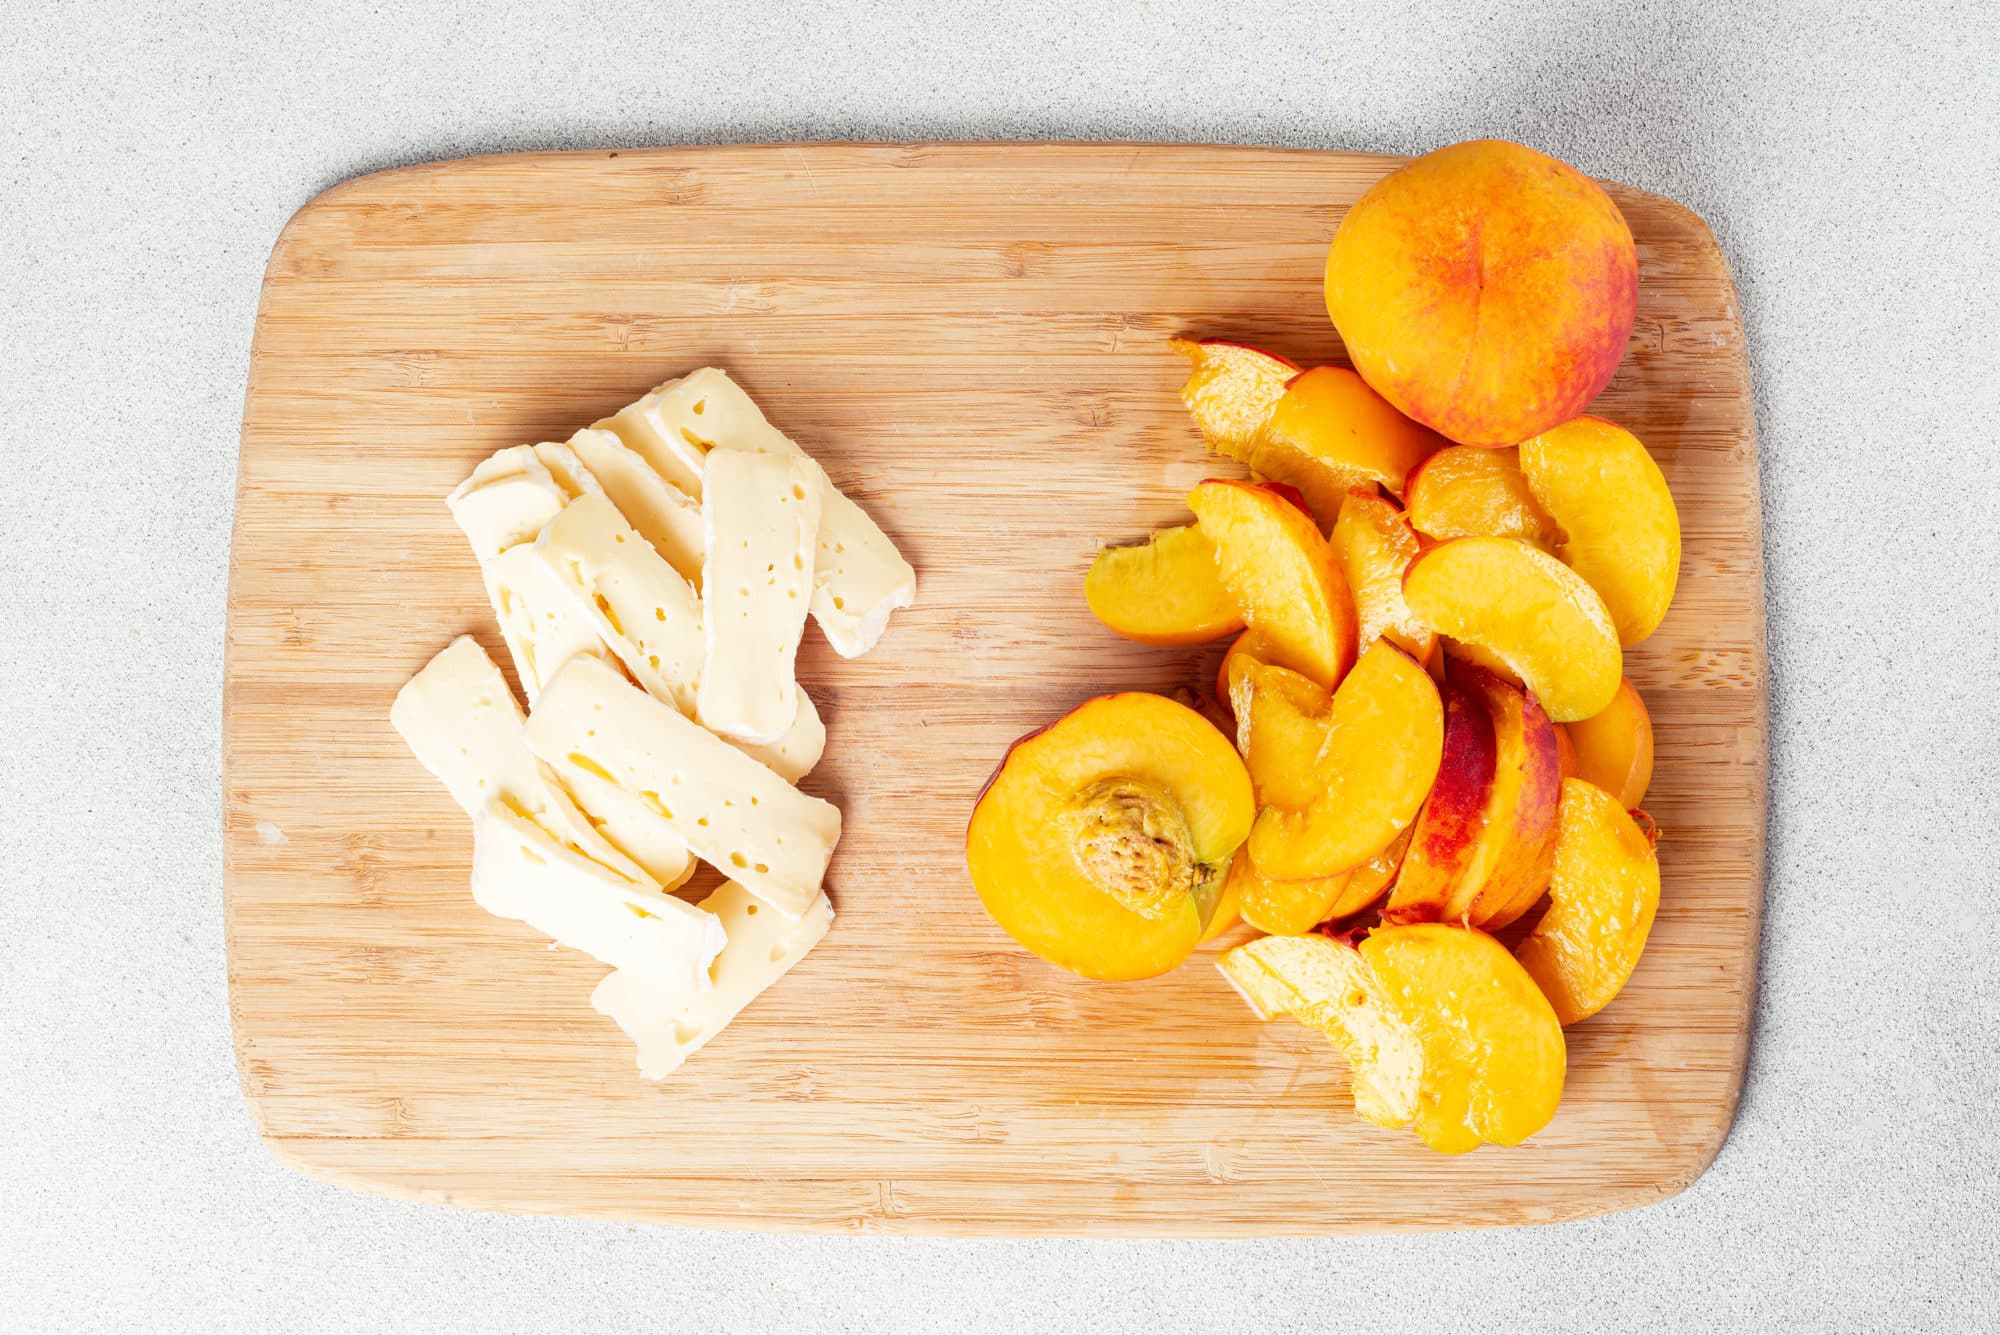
972 339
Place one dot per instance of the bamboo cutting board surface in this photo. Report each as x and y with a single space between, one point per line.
972 339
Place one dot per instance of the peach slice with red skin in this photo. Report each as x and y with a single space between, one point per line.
1493 1052
1509 867
1613 748
1385 730
1372 879
1515 609
1101 842
1602 899
1485 289
1281 574
1446 833
1163 591
1375 546
1331 432
1469 492
1231 389
1620 530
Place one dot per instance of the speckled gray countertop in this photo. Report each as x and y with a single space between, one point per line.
1844 155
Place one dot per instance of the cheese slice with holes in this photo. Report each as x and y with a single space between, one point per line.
506 501
638 603
793 755
669 1025
735 814
859 577
543 626
460 720
663 514
760 516
519 872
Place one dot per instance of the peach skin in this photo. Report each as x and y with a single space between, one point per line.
1513 608
1485 290
1602 898
1163 591
1230 390
1613 748
1101 842
1446 832
1620 529
1509 866
1385 731
1281 574
1467 492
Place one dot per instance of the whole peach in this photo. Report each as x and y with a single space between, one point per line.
1486 290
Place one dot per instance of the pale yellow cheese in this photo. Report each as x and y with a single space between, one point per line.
543 626
506 501
670 1024
663 514
759 515
737 815
793 755
640 606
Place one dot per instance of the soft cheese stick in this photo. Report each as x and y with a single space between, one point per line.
793 755
859 577
664 515
735 814
539 620
669 1025
640 605
759 519
460 720
519 872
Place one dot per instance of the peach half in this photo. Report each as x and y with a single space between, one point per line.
1467 492
1602 899
1101 842
1519 611
1281 574
1375 546
1613 748
1493 1052
1162 591
1385 730
1486 290
1230 390
1620 529
1330 432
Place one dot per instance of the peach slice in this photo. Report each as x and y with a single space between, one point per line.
1284 908
1509 866
1620 529
1524 612
1446 833
1330 431
1375 546
1485 290
1493 1057
1613 748
1228 905
1566 750
1385 731
1282 575
1368 882
1163 591
1281 723
1602 899
1230 390
1325 984
1468 492
1101 842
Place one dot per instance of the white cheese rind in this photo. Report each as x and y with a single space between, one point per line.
638 603
760 516
663 514
670 1025
859 577
462 723
543 626
735 814
519 872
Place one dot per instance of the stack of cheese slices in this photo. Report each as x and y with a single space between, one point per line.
652 578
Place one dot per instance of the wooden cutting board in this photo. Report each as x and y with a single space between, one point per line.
972 339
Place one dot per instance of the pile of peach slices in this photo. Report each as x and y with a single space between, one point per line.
1428 803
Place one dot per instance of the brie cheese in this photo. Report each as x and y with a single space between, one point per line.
735 814
670 1024
759 516
543 626
519 872
663 514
